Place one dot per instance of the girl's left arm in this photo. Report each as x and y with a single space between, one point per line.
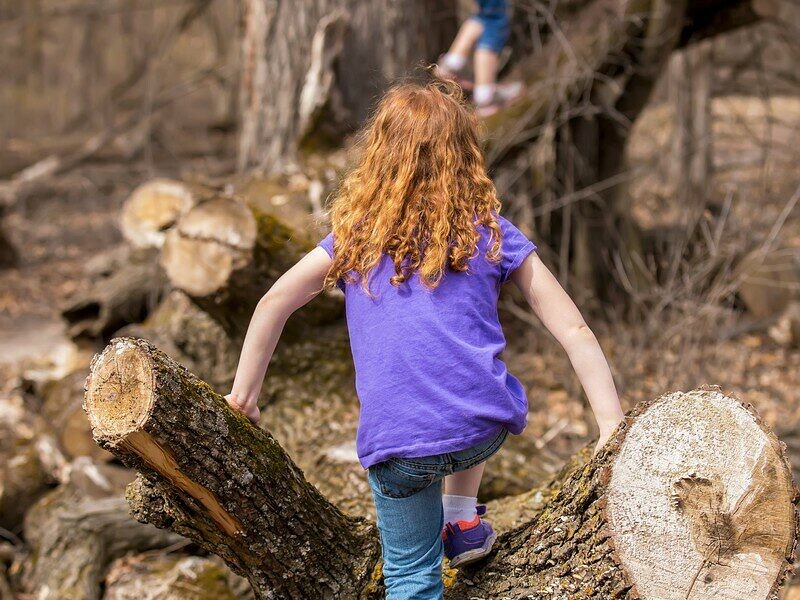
562 318
295 288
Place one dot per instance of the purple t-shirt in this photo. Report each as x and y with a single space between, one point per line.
428 374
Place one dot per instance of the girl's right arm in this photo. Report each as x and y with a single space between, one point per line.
293 289
562 318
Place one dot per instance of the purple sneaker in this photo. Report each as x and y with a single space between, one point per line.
468 541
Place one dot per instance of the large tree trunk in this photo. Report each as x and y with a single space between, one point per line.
713 516
311 69
242 497
590 81
690 83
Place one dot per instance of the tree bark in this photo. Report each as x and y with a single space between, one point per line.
690 83
713 516
334 55
242 498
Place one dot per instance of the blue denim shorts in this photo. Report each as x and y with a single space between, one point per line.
493 17
404 477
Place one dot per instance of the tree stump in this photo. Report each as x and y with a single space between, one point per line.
692 497
152 208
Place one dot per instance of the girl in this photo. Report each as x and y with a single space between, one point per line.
420 251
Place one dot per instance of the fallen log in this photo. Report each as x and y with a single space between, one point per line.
691 497
241 498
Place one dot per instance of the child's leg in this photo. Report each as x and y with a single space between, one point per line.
486 62
493 16
466 482
411 537
451 65
461 494
469 33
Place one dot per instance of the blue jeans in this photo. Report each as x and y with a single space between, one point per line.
408 499
493 17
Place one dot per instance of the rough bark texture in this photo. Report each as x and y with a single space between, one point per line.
382 40
241 498
583 536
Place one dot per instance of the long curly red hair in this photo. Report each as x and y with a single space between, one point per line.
418 191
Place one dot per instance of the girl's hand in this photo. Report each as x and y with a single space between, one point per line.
605 434
600 443
248 409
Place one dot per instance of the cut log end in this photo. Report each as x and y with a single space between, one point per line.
119 391
153 208
699 474
211 241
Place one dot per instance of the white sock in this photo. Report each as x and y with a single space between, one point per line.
483 93
454 62
458 508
